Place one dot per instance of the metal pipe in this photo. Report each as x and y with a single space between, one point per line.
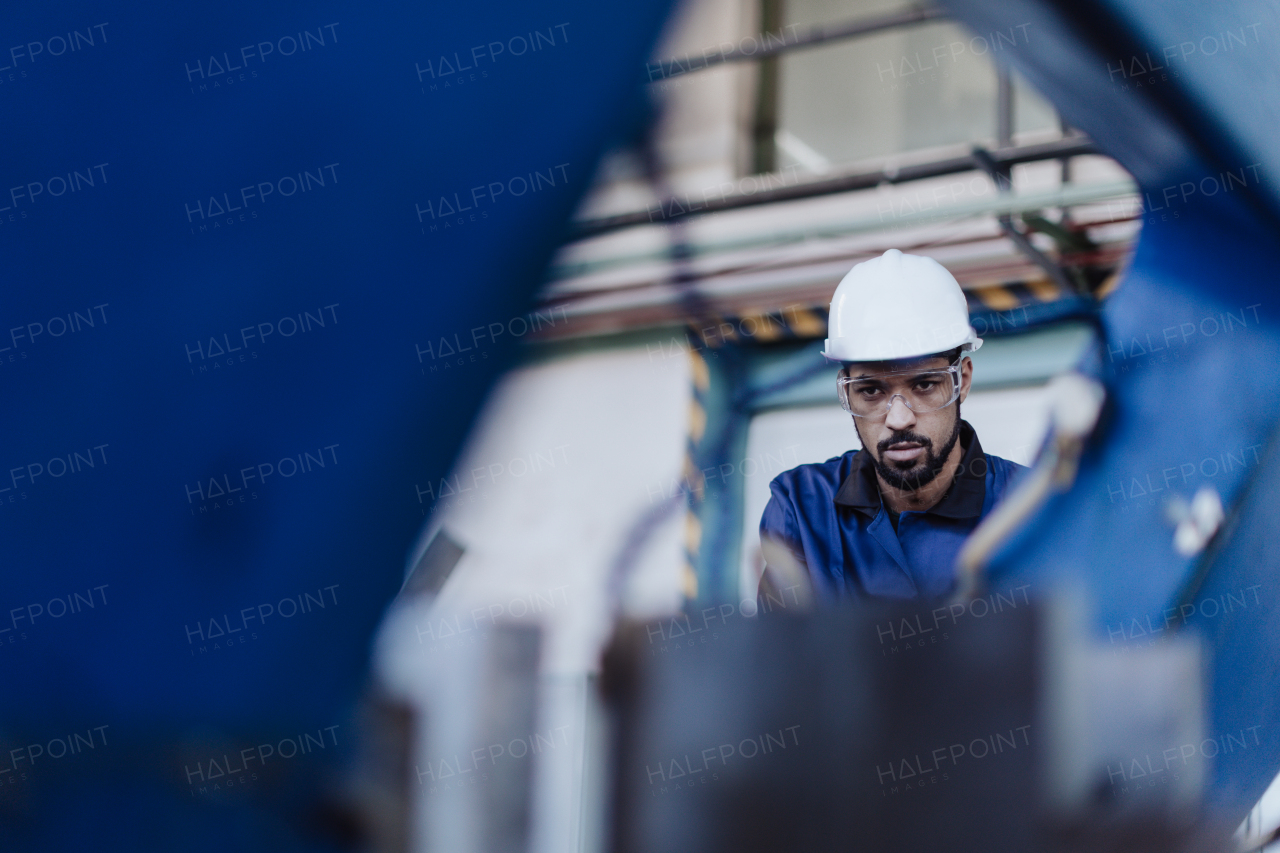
764 127
1039 258
671 209
995 205
668 68
1001 176
1004 108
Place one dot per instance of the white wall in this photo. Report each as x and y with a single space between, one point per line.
567 456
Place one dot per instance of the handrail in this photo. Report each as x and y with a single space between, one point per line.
1069 146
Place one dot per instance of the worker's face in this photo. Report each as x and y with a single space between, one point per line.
909 448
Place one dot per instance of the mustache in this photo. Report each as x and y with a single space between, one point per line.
905 436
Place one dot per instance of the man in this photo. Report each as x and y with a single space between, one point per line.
887 521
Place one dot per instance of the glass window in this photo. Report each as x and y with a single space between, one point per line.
913 87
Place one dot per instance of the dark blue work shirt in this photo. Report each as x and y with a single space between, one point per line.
830 516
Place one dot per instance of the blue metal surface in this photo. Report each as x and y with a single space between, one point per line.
231 250
1192 330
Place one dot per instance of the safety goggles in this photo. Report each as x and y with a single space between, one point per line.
921 390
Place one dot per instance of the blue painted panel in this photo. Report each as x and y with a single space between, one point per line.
261 264
1192 329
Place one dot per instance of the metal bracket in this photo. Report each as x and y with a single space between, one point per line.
983 159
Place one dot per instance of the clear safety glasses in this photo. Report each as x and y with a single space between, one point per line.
921 390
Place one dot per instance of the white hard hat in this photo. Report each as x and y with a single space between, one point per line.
898 306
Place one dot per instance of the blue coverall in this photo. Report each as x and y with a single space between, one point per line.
831 517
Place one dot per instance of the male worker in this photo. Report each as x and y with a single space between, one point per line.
887 521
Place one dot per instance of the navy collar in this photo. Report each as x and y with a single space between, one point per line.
861 489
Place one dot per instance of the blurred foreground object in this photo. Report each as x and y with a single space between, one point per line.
465 764
990 725
236 258
1197 133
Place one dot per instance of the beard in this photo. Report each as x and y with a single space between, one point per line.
914 474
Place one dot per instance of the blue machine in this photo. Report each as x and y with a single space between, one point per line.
1184 95
261 265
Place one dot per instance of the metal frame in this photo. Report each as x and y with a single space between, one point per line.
1004 157
1069 146
814 37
